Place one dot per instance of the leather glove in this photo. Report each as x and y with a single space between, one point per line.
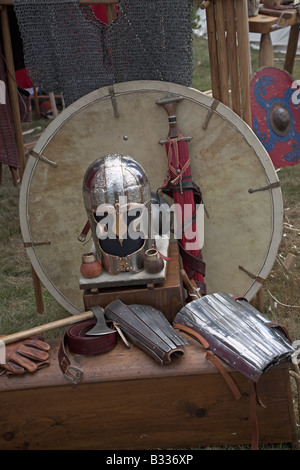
26 356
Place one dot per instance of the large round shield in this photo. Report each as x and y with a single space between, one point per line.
240 188
275 101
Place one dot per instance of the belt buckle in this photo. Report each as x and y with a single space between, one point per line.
73 374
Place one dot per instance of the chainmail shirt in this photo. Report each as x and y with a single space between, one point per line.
68 50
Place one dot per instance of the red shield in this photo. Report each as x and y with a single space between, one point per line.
275 107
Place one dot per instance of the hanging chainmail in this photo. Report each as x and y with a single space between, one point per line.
68 50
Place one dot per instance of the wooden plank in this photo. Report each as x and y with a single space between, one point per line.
232 56
261 23
128 401
244 57
213 51
222 51
288 13
266 23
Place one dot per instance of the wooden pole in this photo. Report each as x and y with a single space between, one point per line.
222 51
233 65
213 50
53 104
241 9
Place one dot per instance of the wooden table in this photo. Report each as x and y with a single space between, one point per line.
271 20
128 401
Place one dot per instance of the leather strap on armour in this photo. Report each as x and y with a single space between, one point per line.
212 358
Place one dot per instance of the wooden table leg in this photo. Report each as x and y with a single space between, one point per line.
53 104
37 291
260 300
266 52
36 102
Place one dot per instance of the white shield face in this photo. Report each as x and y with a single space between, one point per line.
226 159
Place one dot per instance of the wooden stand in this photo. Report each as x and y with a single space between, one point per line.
167 297
128 401
271 20
229 54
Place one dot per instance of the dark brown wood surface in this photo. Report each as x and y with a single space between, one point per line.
128 401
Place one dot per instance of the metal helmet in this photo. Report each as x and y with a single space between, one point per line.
115 189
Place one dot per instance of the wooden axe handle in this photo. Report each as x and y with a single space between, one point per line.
47 327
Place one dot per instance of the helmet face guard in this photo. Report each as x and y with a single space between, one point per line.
117 199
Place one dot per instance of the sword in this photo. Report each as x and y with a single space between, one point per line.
180 186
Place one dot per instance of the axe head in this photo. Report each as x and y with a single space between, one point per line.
101 327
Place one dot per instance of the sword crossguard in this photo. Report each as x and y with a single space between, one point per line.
169 99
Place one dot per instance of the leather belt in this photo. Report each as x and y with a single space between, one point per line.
80 343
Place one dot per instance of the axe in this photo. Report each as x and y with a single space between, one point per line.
99 329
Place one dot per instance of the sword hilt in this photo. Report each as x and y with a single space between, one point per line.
169 102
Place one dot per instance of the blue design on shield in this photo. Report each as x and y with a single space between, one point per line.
260 90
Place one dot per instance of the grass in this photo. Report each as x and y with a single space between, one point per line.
17 300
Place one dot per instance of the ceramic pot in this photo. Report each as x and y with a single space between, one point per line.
90 266
153 262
